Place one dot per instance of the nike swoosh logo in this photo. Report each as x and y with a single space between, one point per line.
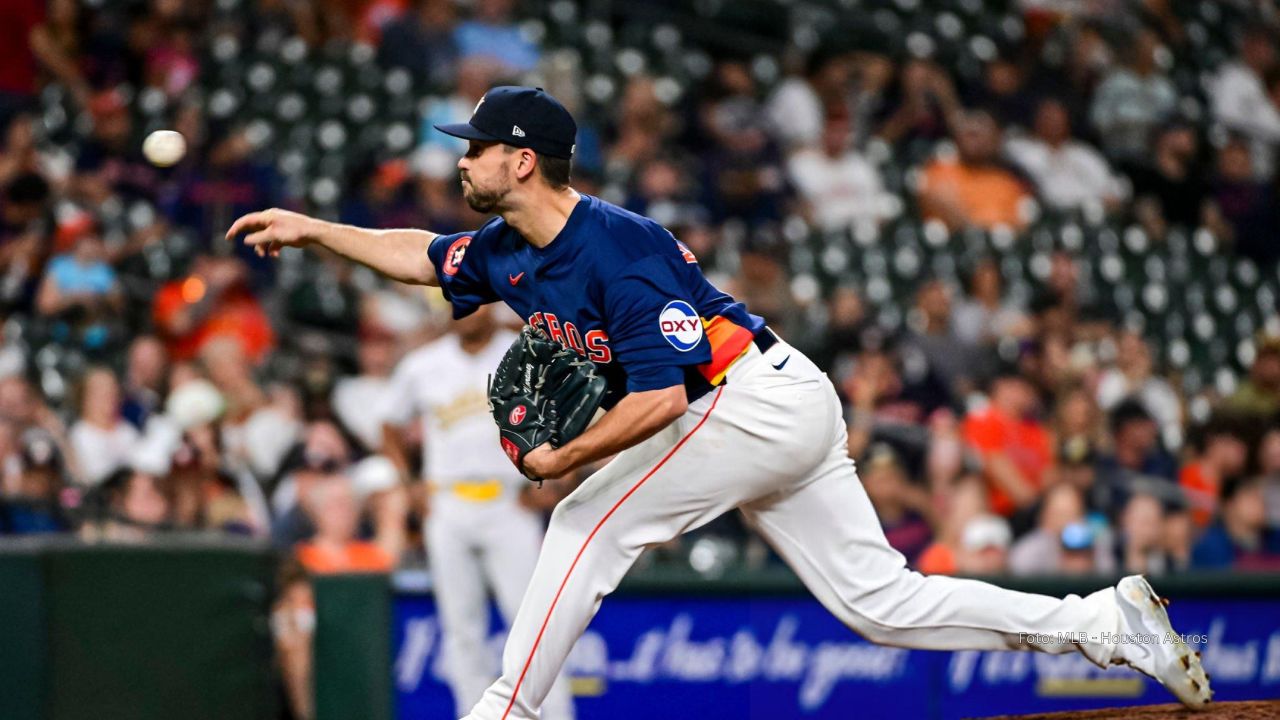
784 362
515 279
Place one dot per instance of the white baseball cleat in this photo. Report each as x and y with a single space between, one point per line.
1165 657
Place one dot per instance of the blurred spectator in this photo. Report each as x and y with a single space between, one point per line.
134 507
1064 305
1041 550
19 154
56 41
353 396
1070 174
642 124
1004 90
1085 58
1220 453
35 503
101 438
335 548
840 187
664 190
322 452
20 404
1014 445
81 295
111 162
1259 394
985 316
26 238
1248 206
1240 538
924 110
1078 556
1240 98
1140 546
204 496
222 177
965 501
1135 456
146 368
847 331
745 177
23 409
293 624
800 106
762 282
1169 189
1133 98
261 442
491 32
933 344
422 41
984 546
1134 378
1079 429
229 368
974 188
902 508
883 404
213 301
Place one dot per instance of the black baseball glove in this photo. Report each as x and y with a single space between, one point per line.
542 392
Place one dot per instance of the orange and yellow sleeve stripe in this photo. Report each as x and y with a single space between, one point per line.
728 343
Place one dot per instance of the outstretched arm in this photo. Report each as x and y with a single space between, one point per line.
398 254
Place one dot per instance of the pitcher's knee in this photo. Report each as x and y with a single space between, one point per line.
879 614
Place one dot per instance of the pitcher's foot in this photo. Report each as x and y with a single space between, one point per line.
1166 658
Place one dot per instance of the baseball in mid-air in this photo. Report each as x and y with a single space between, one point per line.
164 147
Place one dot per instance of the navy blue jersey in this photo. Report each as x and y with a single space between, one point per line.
616 287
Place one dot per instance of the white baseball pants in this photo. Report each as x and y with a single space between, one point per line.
770 442
473 547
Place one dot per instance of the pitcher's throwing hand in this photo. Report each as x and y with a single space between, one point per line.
270 230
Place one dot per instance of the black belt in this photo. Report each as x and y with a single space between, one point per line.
766 339
763 340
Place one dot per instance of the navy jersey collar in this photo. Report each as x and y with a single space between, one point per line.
568 237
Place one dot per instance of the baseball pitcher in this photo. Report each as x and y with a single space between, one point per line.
707 409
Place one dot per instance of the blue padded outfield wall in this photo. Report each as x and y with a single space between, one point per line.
786 657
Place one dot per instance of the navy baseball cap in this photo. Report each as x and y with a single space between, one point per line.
520 116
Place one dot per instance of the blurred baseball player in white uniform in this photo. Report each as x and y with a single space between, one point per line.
479 534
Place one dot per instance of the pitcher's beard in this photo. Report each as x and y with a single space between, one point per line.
481 202
486 201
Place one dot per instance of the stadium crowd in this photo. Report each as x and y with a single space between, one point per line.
155 379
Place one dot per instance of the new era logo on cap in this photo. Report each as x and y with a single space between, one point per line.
515 130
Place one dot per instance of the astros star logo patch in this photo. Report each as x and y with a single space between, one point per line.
454 255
